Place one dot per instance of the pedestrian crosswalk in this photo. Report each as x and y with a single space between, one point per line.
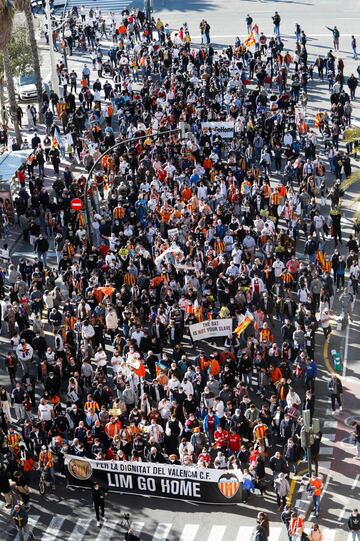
116 6
62 527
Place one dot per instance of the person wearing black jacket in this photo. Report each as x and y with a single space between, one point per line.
130 536
354 525
98 496
5 488
41 246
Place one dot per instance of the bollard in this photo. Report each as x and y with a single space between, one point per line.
336 360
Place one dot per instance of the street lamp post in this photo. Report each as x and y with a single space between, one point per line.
54 77
180 130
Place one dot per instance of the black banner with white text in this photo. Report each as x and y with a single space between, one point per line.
159 480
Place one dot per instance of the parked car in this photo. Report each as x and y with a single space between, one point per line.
25 86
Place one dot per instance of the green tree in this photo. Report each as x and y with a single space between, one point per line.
6 25
20 52
24 6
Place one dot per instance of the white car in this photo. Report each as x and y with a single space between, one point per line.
25 87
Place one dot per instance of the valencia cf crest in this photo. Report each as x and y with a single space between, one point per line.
228 485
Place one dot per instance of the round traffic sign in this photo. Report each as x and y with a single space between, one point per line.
76 204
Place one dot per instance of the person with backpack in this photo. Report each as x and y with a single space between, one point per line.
316 534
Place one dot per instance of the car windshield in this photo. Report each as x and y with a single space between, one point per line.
27 79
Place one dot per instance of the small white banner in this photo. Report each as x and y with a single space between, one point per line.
211 328
224 129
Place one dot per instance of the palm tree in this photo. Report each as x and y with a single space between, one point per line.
2 82
6 24
24 5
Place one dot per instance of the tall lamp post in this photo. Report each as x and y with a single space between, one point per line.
54 77
180 129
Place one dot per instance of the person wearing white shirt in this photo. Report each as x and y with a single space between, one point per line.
219 408
155 431
137 335
87 331
292 399
278 267
112 322
233 270
45 411
100 357
187 387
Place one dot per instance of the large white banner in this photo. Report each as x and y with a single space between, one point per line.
224 129
211 328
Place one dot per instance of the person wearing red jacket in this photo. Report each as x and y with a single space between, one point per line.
234 441
221 438
113 427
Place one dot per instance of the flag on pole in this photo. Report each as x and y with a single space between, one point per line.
320 258
242 326
250 40
57 142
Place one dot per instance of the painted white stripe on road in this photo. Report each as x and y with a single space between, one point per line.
244 532
355 482
106 531
34 520
325 465
137 527
79 530
326 451
53 529
330 424
217 533
189 532
329 437
275 533
162 531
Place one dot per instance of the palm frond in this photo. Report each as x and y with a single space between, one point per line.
19 5
355 177
351 135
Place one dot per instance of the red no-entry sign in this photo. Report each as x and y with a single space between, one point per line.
76 204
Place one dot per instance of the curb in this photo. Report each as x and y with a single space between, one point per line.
303 503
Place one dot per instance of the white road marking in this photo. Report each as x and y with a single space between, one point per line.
325 486
189 532
217 533
162 531
330 424
355 482
326 450
216 36
329 437
33 520
244 532
346 351
53 529
80 529
137 527
106 530
275 533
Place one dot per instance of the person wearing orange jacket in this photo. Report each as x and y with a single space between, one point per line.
46 462
113 427
316 486
295 523
214 368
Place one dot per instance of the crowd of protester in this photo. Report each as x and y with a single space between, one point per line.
182 229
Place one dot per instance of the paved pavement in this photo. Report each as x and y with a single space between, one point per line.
116 6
